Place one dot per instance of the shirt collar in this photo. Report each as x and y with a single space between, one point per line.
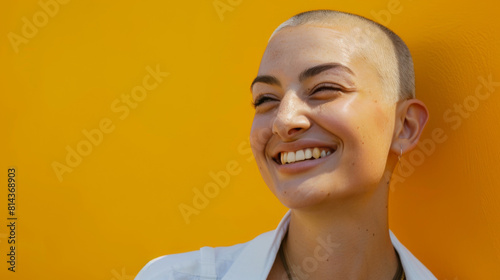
257 258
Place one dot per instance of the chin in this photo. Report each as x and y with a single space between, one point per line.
315 192
305 194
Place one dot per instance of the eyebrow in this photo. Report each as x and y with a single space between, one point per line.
266 79
315 70
308 73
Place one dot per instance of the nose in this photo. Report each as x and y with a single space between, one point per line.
291 119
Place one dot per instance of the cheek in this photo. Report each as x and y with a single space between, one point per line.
375 138
260 134
363 127
340 120
379 127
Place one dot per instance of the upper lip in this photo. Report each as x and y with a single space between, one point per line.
301 145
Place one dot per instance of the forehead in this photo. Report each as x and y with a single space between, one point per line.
296 48
296 45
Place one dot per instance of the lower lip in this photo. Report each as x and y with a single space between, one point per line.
301 166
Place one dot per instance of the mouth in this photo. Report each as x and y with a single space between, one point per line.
308 154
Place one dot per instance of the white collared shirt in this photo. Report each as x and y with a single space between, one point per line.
249 261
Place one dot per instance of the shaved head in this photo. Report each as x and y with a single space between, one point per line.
376 44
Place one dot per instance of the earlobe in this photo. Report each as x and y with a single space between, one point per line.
411 117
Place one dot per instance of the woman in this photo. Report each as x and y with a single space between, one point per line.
334 112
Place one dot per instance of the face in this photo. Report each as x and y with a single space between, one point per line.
322 128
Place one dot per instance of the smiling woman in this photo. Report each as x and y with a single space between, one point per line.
334 111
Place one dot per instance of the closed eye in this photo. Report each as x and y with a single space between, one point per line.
262 99
325 88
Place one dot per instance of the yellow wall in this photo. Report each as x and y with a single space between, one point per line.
119 206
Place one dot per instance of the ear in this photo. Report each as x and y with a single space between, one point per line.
411 117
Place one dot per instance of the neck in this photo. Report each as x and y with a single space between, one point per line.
347 241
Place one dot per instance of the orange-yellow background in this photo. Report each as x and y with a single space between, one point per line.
118 209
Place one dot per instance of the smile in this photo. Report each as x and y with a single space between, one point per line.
301 155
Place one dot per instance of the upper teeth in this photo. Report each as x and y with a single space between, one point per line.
289 157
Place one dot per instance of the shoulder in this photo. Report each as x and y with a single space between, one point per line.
191 265
244 261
